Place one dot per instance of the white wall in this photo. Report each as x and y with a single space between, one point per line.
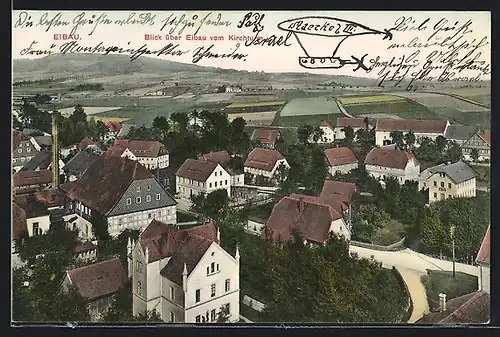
185 187
140 220
328 136
484 279
238 180
380 136
340 227
339 134
43 224
342 168
267 174
153 163
83 226
255 227
380 172
169 304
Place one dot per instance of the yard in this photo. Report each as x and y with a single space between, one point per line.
436 282
184 217
352 100
484 175
261 213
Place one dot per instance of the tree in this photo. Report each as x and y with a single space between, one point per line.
161 123
453 152
434 235
304 133
474 155
281 174
213 206
317 134
349 134
428 151
181 120
409 139
223 315
440 143
397 138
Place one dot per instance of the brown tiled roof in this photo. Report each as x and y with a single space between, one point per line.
198 170
266 136
32 207
466 309
343 189
140 148
486 135
307 214
105 182
51 198
99 279
115 151
328 125
389 157
340 156
85 142
263 159
26 178
219 157
19 226
114 126
85 247
483 257
413 125
357 122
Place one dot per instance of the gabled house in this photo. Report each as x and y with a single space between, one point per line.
98 284
31 181
150 153
36 214
446 181
391 162
420 127
480 141
42 161
79 164
267 137
114 127
460 133
90 145
483 260
264 162
197 176
183 274
78 223
328 136
224 159
340 160
86 251
356 123
24 148
121 192
53 199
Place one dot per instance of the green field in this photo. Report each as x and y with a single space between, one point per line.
310 106
254 104
403 108
350 100
313 120
482 118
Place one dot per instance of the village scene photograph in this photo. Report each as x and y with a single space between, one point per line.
241 167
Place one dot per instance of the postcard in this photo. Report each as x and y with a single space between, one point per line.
249 167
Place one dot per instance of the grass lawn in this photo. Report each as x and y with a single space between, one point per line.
261 213
436 282
254 104
350 100
403 108
184 217
484 173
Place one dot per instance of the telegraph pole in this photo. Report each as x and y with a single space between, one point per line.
452 234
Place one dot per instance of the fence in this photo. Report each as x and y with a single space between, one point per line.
253 303
390 248
405 316
254 227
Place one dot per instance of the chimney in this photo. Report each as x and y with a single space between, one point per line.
301 204
442 302
184 278
218 234
237 255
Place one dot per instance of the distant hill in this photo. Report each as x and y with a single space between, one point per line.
103 64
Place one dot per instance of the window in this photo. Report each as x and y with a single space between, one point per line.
449 196
435 195
149 216
139 266
210 185
228 308
208 270
442 195
228 285
216 184
225 182
158 196
36 229
212 267
212 315
172 316
129 201
220 173
198 319
139 288
217 267
216 173
449 185
138 189
172 293
148 198
19 150
442 184
138 200
22 159
28 149
197 295
212 290
148 188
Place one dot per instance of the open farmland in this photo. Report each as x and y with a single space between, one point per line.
108 119
352 100
295 121
404 108
310 106
255 118
89 110
218 97
434 100
251 105
251 98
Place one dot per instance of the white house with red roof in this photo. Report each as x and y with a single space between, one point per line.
421 128
328 135
356 123
264 162
183 274
480 141
483 260
201 176
341 160
384 162
150 153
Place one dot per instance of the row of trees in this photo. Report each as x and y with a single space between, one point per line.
88 87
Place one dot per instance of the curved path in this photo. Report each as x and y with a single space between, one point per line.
417 293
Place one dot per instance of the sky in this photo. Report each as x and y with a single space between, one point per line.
441 26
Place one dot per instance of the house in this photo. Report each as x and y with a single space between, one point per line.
183 274
36 214
312 217
224 159
420 127
86 251
78 223
480 141
197 176
121 192
341 160
42 161
114 127
264 162
267 137
30 181
24 148
483 260
87 143
150 153
53 199
328 136
43 139
98 284
233 88
444 181
392 162
460 133
79 164
356 123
